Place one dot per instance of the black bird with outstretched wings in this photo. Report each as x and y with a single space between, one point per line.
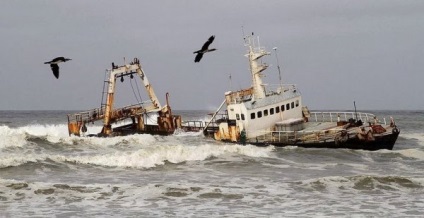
54 65
205 48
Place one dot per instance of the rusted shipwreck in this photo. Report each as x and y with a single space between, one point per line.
275 115
134 117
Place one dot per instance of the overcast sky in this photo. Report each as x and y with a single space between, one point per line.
335 51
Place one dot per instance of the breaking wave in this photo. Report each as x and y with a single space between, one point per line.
58 134
41 143
21 136
160 154
147 157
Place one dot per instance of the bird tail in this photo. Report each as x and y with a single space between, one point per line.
47 62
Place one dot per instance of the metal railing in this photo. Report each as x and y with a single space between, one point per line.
86 116
335 116
195 124
279 88
307 136
301 136
96 114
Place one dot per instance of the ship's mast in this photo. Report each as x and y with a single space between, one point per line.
121 71
256 66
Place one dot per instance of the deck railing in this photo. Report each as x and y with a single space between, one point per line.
194 123
303 136
279 87
87 116
95 114
335 116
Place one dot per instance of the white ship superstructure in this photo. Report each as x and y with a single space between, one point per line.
256 110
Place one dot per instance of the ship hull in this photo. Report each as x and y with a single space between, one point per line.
382 142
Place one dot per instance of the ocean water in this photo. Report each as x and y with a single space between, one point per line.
46 173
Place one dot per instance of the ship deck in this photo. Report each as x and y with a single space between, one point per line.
319 126
319 132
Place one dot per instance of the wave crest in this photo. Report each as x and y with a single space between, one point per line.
160 154
146 157
55 134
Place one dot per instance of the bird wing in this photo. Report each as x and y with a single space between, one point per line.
58 59
198 57
55 69
207 43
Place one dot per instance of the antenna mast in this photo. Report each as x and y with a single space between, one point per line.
231 82
278 66
356 114
256 67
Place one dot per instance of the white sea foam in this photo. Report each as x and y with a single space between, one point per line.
10 160
18 137
181 133
11 137
134 140
147 157
324 196
148 151
157 155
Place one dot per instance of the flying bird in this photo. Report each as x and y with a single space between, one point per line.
205 48
54 65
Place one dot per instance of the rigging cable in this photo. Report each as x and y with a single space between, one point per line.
135 95
139 94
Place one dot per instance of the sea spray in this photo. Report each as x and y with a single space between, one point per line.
11 137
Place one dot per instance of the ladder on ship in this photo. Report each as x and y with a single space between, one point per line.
78 120
106 82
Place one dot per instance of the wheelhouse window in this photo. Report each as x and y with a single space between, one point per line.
242 116
265 113
288 106
252 116
271 111
297 103
282 107
292 105
238 116
277 110
259 114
